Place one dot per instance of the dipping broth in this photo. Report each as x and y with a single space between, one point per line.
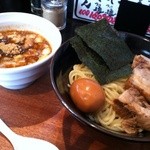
20 48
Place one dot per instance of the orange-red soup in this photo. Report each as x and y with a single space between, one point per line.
20 48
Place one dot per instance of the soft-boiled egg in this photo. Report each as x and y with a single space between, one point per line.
87 95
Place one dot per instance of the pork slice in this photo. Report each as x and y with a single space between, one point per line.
129 123
130 126
132 107
140 77
141 61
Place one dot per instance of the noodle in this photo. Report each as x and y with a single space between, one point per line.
107 117
80 71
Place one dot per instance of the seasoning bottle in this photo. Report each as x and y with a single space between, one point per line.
55 11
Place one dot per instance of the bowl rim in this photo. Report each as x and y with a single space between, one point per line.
37 63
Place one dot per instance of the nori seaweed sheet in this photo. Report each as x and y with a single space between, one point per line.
96 64
91 59
120 73
99 47
103 39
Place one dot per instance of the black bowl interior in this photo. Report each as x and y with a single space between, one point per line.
61 65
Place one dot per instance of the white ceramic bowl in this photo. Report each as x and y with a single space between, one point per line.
21 77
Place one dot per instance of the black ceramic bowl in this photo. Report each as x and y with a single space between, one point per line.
61 65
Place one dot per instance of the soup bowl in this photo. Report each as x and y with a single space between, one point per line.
22 76
62 63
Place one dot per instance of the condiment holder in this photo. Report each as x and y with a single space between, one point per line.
55 11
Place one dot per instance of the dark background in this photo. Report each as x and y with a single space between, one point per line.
133 17
15 5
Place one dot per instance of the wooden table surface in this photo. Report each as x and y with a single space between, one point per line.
36 112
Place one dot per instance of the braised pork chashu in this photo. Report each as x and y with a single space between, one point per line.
133 105
140 78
